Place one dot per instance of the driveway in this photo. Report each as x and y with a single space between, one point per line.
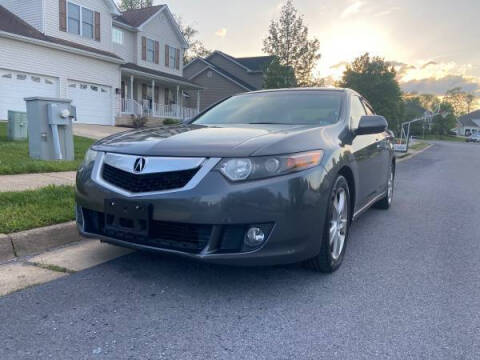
96 131
409 288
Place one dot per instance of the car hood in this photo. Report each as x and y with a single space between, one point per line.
214 141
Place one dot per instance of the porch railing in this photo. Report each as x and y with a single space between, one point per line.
130 106
172 111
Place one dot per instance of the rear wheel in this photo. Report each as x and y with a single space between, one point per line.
386 202
336 230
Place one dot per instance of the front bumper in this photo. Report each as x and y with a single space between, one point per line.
293 206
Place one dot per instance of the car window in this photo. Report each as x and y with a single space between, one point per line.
356 111
319 108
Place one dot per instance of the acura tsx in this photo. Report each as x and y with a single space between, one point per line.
261 178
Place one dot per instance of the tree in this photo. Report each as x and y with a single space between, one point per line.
376 80
288 40
134 4
196 48
442 125
279 76
460 100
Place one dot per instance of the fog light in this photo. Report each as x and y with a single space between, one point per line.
254 237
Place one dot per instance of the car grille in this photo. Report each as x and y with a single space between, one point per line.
140 183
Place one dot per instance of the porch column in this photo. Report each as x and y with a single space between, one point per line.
131 87
198 101
153 98
178 107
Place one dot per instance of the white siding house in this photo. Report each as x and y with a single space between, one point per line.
90 52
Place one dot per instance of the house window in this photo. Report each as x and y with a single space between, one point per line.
117 36
172 54
73 19
81 21
150 50
87 23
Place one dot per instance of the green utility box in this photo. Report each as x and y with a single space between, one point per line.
17 125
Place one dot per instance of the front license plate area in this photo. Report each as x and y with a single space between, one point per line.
127 220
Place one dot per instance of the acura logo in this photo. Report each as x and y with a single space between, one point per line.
139 165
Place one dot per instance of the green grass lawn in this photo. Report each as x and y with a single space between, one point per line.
419 146
36 208
14 158
444 138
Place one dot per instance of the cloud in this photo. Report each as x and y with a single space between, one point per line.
339 65
439 86
386 12
424 66
352 9
401 68
221 32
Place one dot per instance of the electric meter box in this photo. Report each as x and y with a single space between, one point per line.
50 128
17 125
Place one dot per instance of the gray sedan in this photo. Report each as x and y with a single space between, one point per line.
262 178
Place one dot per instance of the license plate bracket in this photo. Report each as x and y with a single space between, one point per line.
126 218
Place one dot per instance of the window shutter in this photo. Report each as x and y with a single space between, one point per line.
144 48
144 91
157 52
166 96
62 7
97 26
177 59
167 56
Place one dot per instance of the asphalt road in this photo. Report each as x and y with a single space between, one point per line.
409 289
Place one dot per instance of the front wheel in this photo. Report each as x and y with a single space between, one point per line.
336 229
386 202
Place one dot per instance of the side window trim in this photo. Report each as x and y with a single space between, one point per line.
353 126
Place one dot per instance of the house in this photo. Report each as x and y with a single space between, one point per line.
222 75
111 64
469 124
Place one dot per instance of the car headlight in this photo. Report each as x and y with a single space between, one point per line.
90 157
267 166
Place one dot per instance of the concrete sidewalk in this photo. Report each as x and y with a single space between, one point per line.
35 181
96 131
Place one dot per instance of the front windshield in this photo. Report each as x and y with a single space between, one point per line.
319 108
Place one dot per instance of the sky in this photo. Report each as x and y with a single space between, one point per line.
435 44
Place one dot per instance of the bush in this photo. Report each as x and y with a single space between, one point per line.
171 122
139 121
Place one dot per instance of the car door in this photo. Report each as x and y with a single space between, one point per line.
382 156
365 151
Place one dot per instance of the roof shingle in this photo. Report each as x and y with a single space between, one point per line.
468 119
137 17
257 63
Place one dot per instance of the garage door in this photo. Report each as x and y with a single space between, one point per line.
15 86
93 102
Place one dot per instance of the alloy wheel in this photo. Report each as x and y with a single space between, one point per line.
390 188
338 223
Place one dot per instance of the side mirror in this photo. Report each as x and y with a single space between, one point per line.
371 124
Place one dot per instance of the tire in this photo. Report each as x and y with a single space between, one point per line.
332 250
386 202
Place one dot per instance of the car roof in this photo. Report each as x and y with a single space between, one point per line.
326 89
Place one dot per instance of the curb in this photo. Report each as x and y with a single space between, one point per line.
34 241
412 155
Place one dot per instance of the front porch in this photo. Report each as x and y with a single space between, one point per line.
156 95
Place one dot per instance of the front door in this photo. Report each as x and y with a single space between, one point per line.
366 152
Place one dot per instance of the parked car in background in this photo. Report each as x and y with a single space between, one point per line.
474 138
262 178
